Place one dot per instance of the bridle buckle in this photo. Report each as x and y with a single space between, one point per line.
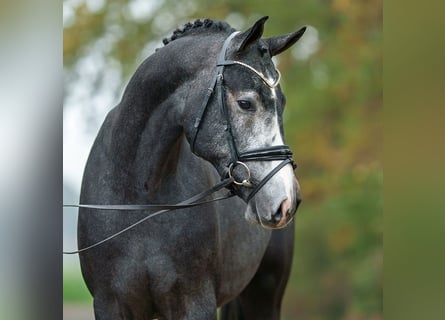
246 182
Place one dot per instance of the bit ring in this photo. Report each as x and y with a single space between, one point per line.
246 182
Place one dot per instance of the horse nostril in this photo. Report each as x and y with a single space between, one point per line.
277 216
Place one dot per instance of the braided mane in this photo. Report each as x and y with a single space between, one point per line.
198 25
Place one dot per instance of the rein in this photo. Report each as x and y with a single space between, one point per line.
194 201
273 153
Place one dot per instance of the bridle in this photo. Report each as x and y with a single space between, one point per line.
273 153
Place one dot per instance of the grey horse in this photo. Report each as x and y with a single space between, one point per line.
236 253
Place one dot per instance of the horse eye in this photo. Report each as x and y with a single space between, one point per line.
245 105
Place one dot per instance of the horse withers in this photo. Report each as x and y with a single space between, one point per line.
204 107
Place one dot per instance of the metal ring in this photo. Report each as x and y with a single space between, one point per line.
245 182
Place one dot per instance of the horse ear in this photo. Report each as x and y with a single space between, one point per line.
280 43
253 34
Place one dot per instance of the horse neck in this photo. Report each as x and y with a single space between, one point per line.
147 136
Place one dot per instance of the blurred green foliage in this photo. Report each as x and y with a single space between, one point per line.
333 122
74 289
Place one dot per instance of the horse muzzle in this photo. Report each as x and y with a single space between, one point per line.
274 205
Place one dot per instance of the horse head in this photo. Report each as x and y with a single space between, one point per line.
239 125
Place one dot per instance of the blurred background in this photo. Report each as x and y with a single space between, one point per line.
333 123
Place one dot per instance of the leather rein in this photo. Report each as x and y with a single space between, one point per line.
273 153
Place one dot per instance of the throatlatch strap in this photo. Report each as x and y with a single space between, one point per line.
201 114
